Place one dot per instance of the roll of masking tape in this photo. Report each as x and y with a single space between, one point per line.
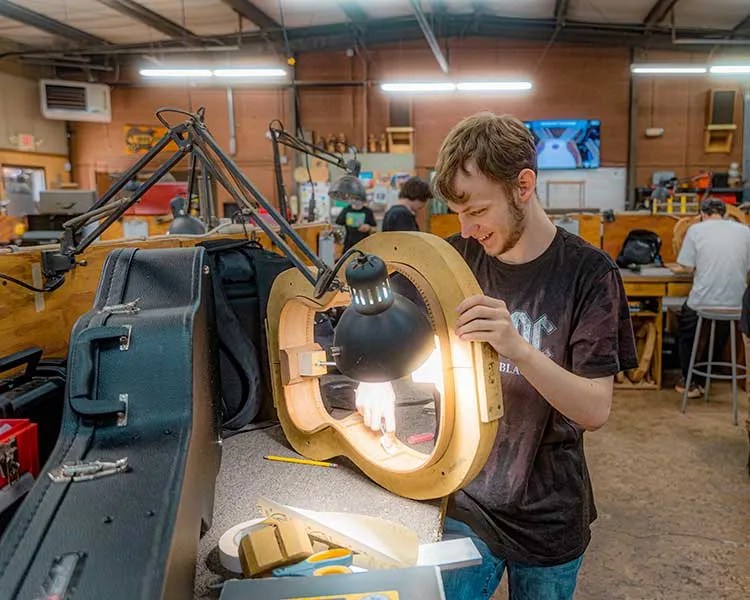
229 544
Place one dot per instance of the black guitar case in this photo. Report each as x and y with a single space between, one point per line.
142 389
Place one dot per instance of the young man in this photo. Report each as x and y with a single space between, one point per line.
718 250
357 218
555 310
412 196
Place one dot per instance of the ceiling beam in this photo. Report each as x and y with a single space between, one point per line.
561 12
339 36
252 13
742 27
28 17
144 15
659 12
429 35
353 11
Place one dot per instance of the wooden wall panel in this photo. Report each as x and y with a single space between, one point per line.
567 84
330 111
678 105
569 81
98 147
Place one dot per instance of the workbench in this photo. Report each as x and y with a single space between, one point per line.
245 477
655 284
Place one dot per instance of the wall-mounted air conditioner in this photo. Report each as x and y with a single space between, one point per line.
75 101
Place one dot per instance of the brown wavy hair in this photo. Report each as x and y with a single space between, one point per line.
415 188
500 145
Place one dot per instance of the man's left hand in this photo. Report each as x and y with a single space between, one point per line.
485 319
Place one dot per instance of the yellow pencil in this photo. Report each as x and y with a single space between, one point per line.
302 461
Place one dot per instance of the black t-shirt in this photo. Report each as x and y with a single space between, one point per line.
532 502
399 218
745 317
352 219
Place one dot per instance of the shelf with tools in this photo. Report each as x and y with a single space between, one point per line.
646 315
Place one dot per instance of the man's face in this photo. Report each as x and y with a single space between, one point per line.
488 214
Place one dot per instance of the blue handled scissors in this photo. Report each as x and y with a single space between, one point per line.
327 558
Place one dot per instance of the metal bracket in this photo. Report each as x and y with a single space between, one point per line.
86 471
119 309
125 339
10 468
122 417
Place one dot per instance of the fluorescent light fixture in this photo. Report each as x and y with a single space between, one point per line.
446 86
250 72
730 69
646 69
490 86
175 72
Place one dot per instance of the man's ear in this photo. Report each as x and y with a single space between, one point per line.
526 184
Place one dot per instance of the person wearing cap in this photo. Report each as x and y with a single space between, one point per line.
717 251
356 217
412 196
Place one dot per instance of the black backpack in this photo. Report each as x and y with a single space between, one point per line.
641 247
242 273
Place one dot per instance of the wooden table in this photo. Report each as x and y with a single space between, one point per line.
46 319
653 283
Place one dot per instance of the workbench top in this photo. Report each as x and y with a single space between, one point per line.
245 476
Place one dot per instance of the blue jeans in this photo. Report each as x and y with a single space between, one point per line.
525 582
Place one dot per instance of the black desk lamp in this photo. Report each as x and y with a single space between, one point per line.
183 223
381 336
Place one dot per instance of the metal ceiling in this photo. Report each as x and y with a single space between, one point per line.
66 30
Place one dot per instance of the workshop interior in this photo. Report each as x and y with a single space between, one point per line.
222 378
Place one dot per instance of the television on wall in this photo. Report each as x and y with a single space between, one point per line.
567 144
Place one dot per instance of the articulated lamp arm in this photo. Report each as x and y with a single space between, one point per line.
193 139
369 328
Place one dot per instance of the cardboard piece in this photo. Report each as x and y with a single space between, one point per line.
376 543
273 543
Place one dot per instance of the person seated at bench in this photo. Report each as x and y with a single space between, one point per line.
717 251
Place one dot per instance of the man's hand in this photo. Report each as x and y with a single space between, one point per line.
485 319
376 403
364 228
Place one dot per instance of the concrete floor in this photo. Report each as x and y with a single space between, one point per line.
673 495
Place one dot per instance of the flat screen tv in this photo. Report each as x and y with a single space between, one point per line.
567 144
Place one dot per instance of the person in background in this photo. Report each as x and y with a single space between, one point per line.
554 309
357 218
412 196
717 250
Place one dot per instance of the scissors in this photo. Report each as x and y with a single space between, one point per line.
320 561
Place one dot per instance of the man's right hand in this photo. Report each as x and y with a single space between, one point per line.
376 403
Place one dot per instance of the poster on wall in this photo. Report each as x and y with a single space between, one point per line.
139 139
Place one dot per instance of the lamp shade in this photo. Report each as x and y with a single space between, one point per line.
186 225
348 188
183 223
381 336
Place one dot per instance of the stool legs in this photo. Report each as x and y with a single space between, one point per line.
734 372
711 338
693 354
